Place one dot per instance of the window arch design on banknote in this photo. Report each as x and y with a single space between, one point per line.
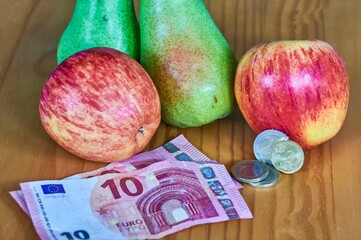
178 198
174 196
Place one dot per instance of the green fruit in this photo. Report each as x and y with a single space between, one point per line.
189 61
101 23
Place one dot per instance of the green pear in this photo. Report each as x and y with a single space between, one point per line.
189 61
101 23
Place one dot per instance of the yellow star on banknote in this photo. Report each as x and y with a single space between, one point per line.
102 198
113 221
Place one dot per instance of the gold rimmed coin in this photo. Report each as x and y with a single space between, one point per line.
262 146
287 156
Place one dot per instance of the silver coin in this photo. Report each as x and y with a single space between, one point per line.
272 178
250 171
287 156
262 146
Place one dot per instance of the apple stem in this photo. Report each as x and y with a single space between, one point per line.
141 130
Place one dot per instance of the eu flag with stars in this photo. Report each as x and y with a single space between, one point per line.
53 188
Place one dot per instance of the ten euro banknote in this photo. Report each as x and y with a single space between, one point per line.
179 149
157 200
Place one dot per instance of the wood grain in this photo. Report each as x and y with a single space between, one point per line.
322 201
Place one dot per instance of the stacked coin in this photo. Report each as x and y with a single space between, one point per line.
255 173
272 178
250 171
274 152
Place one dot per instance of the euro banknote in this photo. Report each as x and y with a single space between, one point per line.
157 200
179 149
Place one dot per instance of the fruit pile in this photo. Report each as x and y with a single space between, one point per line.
101 104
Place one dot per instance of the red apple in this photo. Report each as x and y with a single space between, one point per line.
298 87
101 105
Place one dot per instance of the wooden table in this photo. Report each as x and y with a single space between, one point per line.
322 201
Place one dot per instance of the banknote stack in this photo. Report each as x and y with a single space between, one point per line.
275 153
148 196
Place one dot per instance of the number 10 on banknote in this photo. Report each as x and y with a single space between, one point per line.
153 202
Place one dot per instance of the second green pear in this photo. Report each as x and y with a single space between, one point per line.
189 61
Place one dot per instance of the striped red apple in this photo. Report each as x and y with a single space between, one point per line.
298 87
101 105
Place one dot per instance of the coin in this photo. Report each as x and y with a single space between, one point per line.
250 171
287 156
272 178
262 146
